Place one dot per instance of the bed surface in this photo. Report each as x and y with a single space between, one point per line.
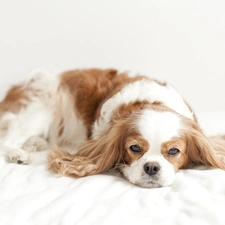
31 194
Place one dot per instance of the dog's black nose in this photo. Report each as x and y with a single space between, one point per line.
151 168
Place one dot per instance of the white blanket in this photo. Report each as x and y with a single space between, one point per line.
31 194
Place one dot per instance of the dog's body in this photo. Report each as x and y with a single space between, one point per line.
142 127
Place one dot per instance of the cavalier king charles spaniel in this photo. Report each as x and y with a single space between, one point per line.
103 119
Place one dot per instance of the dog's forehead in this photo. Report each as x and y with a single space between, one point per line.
158 127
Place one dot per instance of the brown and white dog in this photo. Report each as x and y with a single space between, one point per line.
106 119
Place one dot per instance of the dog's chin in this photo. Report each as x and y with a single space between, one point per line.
152 182
149 184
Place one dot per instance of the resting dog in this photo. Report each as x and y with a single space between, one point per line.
105 119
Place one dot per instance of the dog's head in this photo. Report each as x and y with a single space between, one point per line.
162 142
147 147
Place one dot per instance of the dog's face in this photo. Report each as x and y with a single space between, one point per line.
156 151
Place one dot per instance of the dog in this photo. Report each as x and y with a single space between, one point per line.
104 119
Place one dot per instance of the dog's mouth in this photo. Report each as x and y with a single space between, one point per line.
149 182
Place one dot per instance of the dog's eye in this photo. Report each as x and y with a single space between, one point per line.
173 151
135 148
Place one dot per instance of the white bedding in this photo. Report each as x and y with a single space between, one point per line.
31 194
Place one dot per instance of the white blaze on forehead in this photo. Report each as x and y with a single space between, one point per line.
157 128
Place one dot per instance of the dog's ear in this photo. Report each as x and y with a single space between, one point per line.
202 150
95 156
111 73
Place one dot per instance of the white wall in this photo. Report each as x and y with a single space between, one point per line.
180 41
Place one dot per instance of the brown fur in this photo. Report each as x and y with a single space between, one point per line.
203 150
15 99
181 159
195 148
134 139
91 88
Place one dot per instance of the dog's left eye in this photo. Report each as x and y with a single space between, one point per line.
135 148
173 151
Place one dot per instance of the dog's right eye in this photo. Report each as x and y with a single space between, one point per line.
173 151
135 148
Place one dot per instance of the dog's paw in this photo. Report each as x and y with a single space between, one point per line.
18 156
35 144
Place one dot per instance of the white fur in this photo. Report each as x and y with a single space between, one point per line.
30 121
156 128
49 108
74 131
140 90
35 143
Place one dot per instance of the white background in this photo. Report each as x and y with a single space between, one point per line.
182 42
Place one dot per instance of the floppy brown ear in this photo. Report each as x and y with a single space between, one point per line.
202 150
94 157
